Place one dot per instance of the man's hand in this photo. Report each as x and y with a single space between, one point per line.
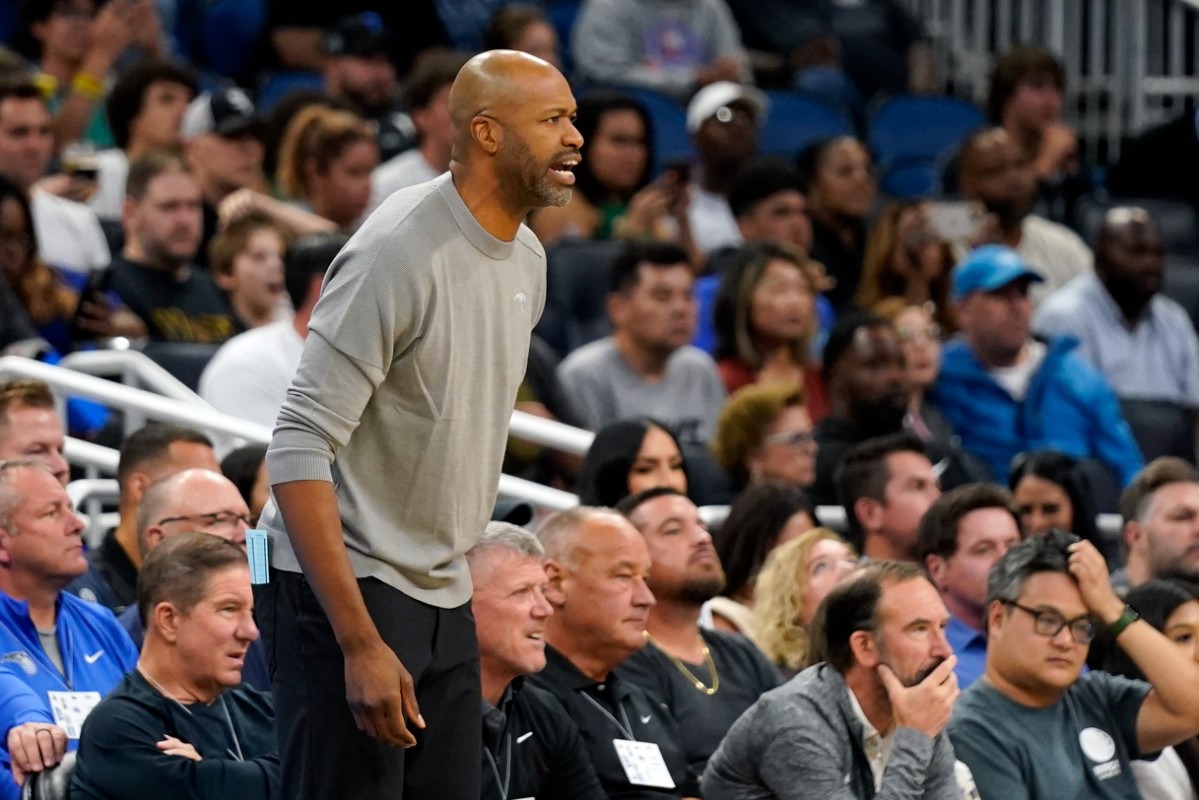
380 693
176 747
104 320
926 706
35 746
1094 583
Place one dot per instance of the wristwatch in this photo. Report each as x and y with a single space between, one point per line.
1129 616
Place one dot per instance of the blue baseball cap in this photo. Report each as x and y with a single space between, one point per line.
991 267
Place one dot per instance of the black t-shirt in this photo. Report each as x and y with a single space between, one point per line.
533 747
176 308
616 709
704 719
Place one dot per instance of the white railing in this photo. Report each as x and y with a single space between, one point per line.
1126 60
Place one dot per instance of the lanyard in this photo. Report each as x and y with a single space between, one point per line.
506 782
228 720
626 728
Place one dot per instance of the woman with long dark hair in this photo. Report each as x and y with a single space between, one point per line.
627 457
1052 491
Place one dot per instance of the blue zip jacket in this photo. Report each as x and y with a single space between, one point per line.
96 653
1069 407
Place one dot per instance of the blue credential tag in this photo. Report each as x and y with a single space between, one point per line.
256 552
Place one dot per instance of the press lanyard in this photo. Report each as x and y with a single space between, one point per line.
507 779
626 728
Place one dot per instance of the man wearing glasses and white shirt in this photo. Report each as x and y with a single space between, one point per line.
1034 727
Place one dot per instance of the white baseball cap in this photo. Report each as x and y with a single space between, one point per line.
715 96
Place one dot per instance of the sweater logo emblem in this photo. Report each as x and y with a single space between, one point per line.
22 660
1097 745
92 658
520 739
522 299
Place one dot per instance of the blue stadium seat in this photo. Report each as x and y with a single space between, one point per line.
232 34
920 126
280 84
562 15
911 135
577 275
795 121
909 177
672 142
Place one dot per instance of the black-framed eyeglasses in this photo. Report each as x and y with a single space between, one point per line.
211 520
792 438
1050 623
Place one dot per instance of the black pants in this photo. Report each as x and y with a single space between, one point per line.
325 756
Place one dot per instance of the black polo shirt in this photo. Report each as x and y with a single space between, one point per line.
532 748
743 672
611 710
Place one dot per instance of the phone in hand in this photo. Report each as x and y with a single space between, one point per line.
956 221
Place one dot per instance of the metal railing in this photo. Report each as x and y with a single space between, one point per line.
1130 64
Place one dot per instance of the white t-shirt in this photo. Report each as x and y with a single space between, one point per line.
68 234
1017 378
407 169
711 220
113 171
1055 251
248 377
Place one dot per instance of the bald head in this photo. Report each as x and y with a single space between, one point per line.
1130 257
192 500
494 84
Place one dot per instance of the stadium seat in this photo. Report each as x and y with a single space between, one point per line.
562 15
672 142
911 135
1161 428
577 274
53 784
280 84
795 121
910 178
1181 284
184 360
232 34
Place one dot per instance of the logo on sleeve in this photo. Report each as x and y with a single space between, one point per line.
1099 747
522 299
22 660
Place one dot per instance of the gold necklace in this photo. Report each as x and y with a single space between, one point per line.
696 682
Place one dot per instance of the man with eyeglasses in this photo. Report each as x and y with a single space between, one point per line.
1034 727
195 500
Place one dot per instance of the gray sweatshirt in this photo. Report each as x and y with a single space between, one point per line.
408 379
803 741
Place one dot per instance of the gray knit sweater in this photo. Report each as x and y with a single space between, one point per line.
803 741
408 379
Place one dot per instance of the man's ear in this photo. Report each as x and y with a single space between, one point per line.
865 649
154 536
936 565
995 616
1133 535
487 132
556 576
616 304
165 619
869 513
137 485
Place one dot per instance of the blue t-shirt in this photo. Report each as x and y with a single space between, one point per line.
1079 748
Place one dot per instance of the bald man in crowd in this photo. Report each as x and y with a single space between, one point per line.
409 375
997 172
1142 341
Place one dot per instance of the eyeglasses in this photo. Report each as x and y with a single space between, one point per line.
792 438
211 520
931 333
1050 623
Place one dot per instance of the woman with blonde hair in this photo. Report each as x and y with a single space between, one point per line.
796 578
325 164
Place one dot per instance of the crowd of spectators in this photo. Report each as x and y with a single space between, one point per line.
912 409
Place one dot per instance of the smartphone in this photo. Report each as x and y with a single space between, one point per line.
681 171
956 221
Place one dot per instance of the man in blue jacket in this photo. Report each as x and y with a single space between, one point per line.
67 651
1005 392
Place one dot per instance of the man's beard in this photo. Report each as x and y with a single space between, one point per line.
697 591
520 167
